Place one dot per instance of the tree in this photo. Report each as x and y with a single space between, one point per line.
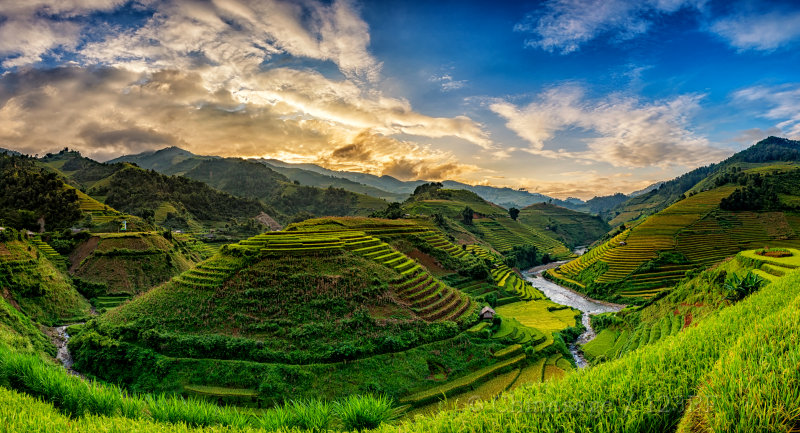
438 219
513 213
394 211
428 188
466 215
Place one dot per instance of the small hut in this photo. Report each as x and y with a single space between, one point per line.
487 313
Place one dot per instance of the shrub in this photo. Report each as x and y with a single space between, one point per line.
738 288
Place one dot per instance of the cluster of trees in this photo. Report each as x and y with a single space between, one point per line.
758 193
525 257
31 194
140 192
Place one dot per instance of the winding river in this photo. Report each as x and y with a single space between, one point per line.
564 296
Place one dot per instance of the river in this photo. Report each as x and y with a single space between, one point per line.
61 339
564 296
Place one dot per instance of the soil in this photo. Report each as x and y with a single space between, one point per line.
429 262
82 252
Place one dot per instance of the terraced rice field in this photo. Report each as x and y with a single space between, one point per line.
104 303
49 252
100 213
429 298
504 234
611 344
693 226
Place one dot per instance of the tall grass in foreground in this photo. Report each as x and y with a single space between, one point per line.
649 389
756 385
77 398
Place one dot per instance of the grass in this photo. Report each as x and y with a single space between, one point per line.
459 385
667 374
693 228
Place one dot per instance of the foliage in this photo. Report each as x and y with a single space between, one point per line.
466 215
140 192
738 288
427 189
358 412
30 193
393 211
523 257
513 213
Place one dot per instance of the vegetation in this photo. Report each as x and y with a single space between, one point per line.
33 198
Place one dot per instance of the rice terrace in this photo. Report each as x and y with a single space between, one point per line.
399 216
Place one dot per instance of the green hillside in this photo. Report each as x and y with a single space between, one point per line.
764 153
35 284
490 223
749 209
111 193
112 267
33 198
570 227
254 180
719 350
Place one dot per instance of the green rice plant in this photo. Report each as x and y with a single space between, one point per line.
362 412
312 415
273 419
176 409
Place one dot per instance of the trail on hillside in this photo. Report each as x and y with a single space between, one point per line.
564 296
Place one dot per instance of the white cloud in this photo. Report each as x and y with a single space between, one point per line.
108 112
624 130
29 29
754 31
230 37
447 82
565 25
782 104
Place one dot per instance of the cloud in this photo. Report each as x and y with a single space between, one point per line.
31 29
447 83
624 130
565 25
753 135
229 37
378 154
105 112
781 103
764 32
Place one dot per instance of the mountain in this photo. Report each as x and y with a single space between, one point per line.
285 198
771 149
748 201
506 197
175 202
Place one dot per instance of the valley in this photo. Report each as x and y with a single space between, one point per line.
443 308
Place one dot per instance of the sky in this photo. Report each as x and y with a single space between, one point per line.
562 97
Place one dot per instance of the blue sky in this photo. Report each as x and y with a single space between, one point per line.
563 97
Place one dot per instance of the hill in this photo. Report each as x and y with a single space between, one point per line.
109 268
744 339
570 227
113 191
32 198
326 309
286 199
489 223
747 209
34 282
173 160
771 149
